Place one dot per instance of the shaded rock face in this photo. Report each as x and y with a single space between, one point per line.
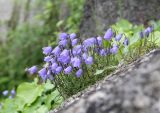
132 89
100 14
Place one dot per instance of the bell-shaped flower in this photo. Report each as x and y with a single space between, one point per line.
89 60
5 92
58 70
47 58
103 52
64 59
89 42
108 35
114 49
126 42
73 36
63 36
76 62
32 70
63 42
77 50
99 41
84 56
68 70
56 51
118 37
54 66
74 42
141 34
43 74
79 73
47 50
65 52
13 92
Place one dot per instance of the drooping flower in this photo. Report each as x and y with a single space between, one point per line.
99 40
118 37
103 52
47 58
126 42
108 35
47 50
63 42
76 62
89 60
43 73
89 42
58 69
114 49
77 50
63 36
84 56
5 92
79 73
56 51
68 70
32 70
65 52
72 36
141 34
146 32
64 59
54 66
13 92
74 42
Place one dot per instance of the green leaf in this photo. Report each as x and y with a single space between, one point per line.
99 72
48 86
27 93
56 97
42 109
9 106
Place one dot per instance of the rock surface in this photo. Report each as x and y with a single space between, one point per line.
134 88
100 14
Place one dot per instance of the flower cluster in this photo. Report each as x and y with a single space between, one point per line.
146 32
72 54
11 94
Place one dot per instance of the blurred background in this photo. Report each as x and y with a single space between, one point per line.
28 25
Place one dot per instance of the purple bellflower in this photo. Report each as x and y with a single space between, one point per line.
56 51
58 69
43 73
126 42
63 42
89 42
141 35
99 41
108 35
72 36
47 50
76 62
89 60
47 58
103 52
32 70
63 36
118 37
79 73
68 70
5 93
74 42
114 49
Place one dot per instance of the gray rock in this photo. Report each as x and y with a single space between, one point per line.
135 91
100 14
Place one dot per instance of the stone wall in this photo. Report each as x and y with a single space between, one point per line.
100 14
